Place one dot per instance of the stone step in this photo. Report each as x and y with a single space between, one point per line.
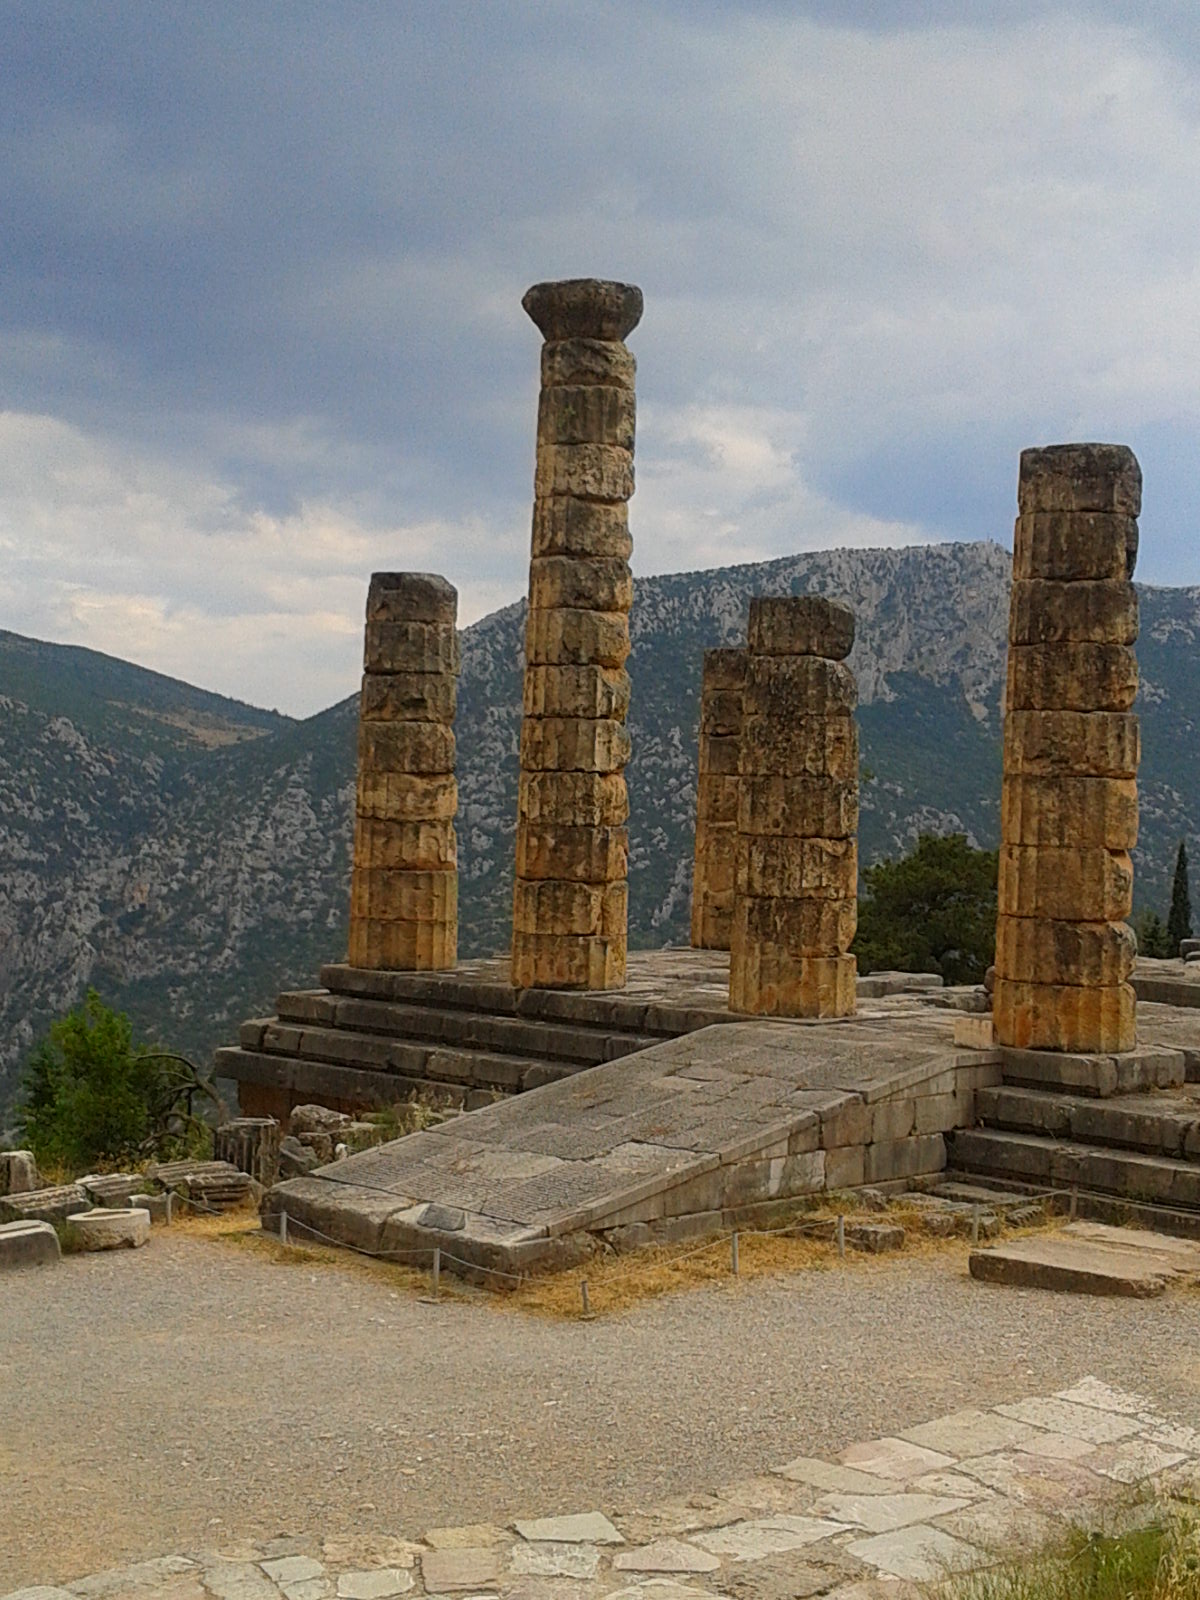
1089 1258
1101 1076
1164 1124
1058 1163
1098 1207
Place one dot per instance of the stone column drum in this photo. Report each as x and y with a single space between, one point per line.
717 798
796 894
404 882
570 897
1069 807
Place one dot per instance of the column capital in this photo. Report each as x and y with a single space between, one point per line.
584 308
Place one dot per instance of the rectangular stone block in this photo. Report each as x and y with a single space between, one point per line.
939 1113
411 647
803 927
576 638
403 946
1065 884
1080 477
425 748
1071 677
814 869
712 922
586 414
717 797
567 526
1034 1016
1104 744
552 906
576 692
1089 813
905 1158
817 808
582 799
724 669
393 895
847 1124
560 961
1037 951
804 746
573 744
721 712
418 846
720 756
587 471
593 583
411 597
408 697
893 1119
765 980
798 686
1043 611
1068 545
846 1167
580 361
573 854
717 851
405 797
803 625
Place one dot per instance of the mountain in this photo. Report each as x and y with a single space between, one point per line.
188 856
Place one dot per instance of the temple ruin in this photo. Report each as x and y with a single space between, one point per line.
713 868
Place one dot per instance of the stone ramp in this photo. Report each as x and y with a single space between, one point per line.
1089 1258
725 1126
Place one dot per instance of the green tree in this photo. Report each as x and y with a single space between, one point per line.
1179 920
90 1097
1153 939
933 910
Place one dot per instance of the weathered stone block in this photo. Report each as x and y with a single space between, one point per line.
767 981
586 414
712 922
415 846
573 744
1045 612
584 308
805 746
562 961
411 647
426 748
598 583
1071 677
720 850
564 526
584 799
1105 744
587 471
577 692
893 1119
28 1244
819 808
721 712
406 797
550 906
408 697
939 1113
579 361
719 756
798 686
801 625
102 1229
1074 545
1038 1016
846 1167
717 797
403 946
888 1161
813 869
1039 951
18 1172
1080 477
801 927
411 597
584 854
1069 809
849 1123
724 669
576 638
391 895
1064 883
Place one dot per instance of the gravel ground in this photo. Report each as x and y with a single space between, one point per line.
195 1393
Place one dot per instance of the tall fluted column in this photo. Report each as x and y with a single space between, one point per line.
796 896
721 688
404 882
1069 808
570 898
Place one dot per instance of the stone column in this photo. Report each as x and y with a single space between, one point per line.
717 798
796 894
570 898
404 882
1069 808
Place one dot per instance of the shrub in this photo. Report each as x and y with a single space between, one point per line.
933 910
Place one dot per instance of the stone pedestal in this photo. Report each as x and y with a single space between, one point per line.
570 895
717 798
404 882
251 1144
1069 806
796 896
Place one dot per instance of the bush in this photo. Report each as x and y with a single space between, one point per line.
933 910
1153 938
90 1097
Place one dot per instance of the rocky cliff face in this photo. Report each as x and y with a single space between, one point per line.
188 856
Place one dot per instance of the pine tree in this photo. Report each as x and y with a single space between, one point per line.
1179 922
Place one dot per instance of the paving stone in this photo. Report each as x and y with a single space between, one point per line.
583 1527
307 1589
285 1545
920 1553
377 1583
238 1580
1091 1392
881 1513
970 1433
1001 1527
1174 1436
660 1589
1083 1422
1029 1478
666 1555
549 1560
461 1570
1133 1460
369 1550
470 1536
829 1476
292 1569
1058 1447
955 1484
139 1575
766 1536
788 1577
39 1591
894 1458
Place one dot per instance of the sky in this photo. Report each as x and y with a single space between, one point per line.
261 268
